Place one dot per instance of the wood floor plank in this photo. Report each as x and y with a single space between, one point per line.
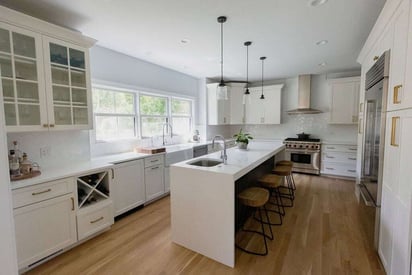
326 232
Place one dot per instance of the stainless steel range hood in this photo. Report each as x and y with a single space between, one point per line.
304 97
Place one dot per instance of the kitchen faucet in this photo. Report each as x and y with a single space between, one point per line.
167 124
223 155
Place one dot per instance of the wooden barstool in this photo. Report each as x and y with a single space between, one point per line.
287 163
256 197
286 172
272 182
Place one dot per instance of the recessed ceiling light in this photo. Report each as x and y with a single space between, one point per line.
323 64
315 3
185 41
322 42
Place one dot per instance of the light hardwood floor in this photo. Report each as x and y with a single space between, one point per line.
326 232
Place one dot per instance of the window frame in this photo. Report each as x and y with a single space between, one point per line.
166 116
134 115
181 116
137 91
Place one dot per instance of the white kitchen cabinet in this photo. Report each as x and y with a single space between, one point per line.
344 105
396 89
94 219
237 108
154 177
218 111
395 239
46 226
267 110
45 79
128 186
339 160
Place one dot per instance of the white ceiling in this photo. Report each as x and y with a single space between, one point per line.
286 31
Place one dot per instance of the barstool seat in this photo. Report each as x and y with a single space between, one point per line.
284 163
256 197
286 172
271 181
282 170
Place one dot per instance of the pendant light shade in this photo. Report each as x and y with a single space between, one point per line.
247 93
262 96
221 88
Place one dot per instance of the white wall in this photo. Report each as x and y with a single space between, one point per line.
315 124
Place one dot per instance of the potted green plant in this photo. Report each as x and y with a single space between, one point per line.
242 139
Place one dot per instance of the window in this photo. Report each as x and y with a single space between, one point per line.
115 114
181 116
153 114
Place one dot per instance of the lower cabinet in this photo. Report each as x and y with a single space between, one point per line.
128 186
94 218
395 235
154 177
339 160
44 228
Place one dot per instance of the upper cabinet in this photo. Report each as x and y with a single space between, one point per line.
267 110
344 104
45 75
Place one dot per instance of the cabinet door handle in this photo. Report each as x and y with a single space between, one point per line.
360 126
396 89
395 120
157 167
40 192
360 107
72 203
97 220
352 149
350 170
45 125
112 172
155 160
51 125
330 168
329 157
352 158
330 147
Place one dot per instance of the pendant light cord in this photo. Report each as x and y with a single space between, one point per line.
221 52
247 67
262 75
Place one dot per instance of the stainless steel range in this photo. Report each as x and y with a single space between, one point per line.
305 154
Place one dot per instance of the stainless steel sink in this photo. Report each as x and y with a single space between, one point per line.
205 162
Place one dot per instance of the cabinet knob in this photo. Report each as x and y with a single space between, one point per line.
51 125
45 125
375 58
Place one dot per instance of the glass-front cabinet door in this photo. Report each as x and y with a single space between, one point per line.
68 89
22 79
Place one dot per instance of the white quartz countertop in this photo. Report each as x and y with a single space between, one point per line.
239 162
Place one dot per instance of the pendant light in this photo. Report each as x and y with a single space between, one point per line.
262 96
245 95
221 88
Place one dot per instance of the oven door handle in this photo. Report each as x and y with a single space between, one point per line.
303 151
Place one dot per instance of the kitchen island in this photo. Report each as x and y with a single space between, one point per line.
203 199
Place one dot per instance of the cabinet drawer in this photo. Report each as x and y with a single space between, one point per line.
339 148
338 169
155 160
332 156
41 192
95 218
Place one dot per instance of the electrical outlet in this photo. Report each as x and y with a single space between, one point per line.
45 151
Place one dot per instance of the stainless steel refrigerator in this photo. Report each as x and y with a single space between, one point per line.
376 85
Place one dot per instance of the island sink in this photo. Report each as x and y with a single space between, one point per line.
205 162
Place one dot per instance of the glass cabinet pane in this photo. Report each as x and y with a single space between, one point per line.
78 78
60 75
29 114
58 54
61 95
8 91
25 68
76 58
62 115
27 91
10 114
5 65
79 97
24 45
80 116
4 40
